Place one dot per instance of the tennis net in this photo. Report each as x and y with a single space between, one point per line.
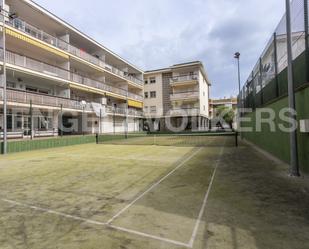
184 140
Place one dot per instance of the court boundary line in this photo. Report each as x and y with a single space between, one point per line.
93 222
202 210
107 224
50 211
152 187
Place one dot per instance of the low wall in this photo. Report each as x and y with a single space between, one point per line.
277 143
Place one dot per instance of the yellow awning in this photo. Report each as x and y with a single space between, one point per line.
134 103
35 43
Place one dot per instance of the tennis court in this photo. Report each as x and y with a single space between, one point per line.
140 192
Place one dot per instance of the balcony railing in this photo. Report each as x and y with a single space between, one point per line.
26 62
180 79
184 95
122 111
56 42
41 67
42 99
184 111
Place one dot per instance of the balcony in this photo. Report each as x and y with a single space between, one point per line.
184 80
190 95
182 112
41 67
24 97
122 111
58 43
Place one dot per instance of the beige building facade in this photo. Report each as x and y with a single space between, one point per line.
177 98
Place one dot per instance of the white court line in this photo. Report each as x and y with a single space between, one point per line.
107 224
93 222
198 221
178 243
152 187
50 211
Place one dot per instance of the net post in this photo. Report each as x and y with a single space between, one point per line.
97 138
236 138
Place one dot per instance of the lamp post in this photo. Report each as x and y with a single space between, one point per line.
83 104
237 57
12 16
294 164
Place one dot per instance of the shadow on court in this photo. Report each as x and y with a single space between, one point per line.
254 204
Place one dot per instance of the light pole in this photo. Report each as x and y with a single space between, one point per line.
83 104
12 16
4 86
294 164
126 120
237 57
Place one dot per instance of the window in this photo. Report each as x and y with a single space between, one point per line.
9 121
146 82
19 121
10 85
146 95
153 109
153 94
43 91
152 80
31 89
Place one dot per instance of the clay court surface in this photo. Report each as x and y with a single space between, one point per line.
145 196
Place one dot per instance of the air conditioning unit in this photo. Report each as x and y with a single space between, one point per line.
304 125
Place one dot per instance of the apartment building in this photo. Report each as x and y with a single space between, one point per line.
177 97
60 81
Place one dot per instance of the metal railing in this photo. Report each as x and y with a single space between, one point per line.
183 78
58 43
38 66
26 62
25 97
182 111
122 111
184 95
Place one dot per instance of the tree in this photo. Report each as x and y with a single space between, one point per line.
227 114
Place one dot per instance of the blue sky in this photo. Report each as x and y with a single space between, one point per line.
156 34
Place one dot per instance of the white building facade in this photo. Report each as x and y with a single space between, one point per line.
60 81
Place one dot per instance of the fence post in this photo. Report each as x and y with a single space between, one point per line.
31 120
306 20
261 81
253 94
61 120
114 114
276 64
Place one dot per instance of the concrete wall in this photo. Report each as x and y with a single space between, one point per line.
204 101
107 124
157 87
277 143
